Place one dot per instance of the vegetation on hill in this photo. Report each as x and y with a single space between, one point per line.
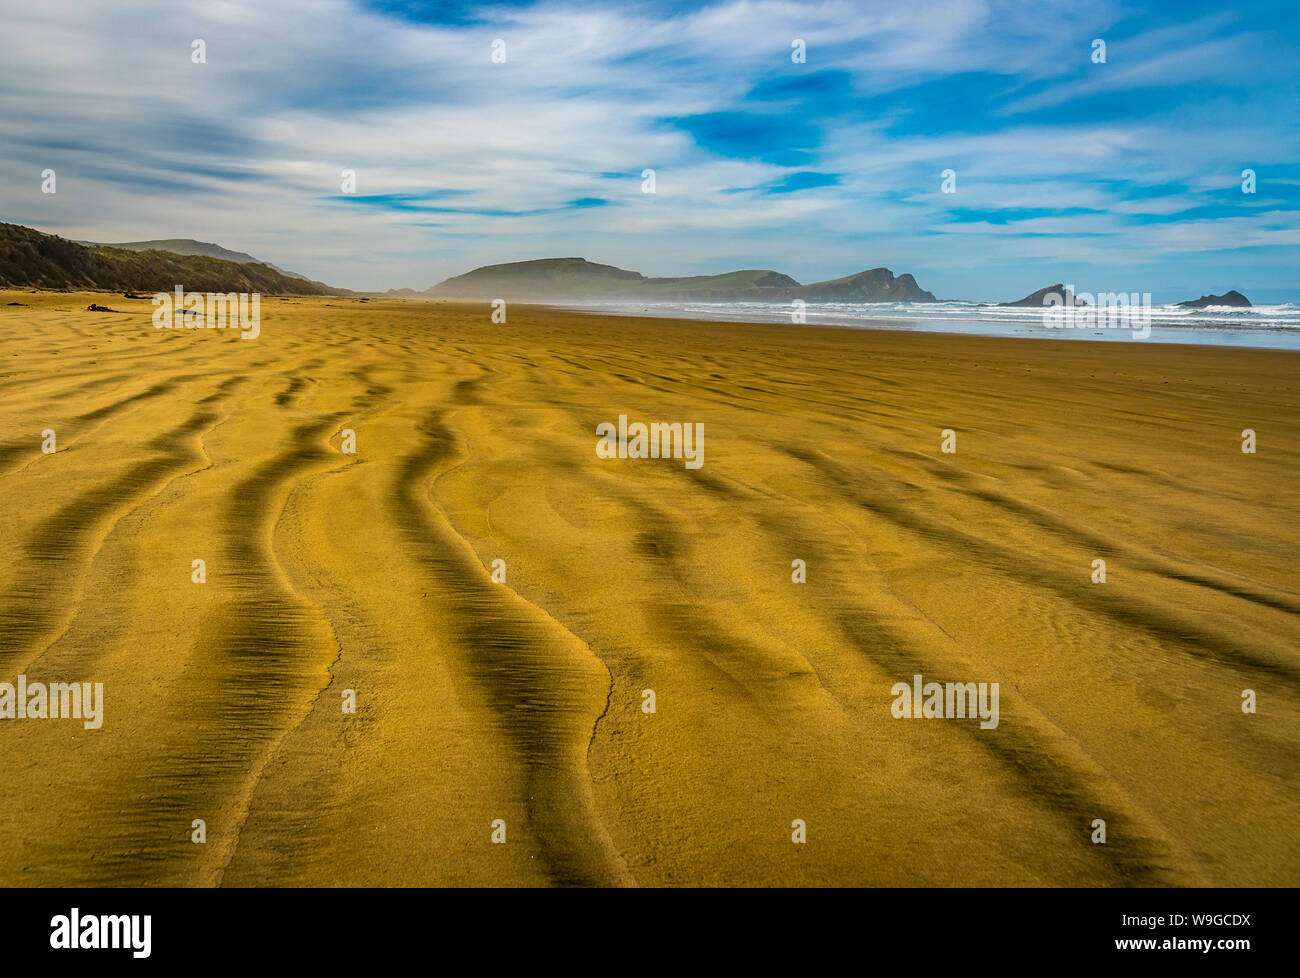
31 259
188 246
575 279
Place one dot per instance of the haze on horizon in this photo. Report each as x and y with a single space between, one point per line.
1122 176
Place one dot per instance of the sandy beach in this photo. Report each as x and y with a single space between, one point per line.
481 700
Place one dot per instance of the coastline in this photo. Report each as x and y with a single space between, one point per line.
1231 334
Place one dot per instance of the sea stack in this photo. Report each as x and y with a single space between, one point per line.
1230 298
1035 299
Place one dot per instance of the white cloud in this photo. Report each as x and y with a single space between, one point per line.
247 149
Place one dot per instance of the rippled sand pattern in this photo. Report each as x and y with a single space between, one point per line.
480 700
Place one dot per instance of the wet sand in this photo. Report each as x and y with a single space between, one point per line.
521 700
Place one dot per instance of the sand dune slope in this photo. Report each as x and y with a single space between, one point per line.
508 699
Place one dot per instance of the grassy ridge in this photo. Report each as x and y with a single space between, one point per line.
31 259
577 279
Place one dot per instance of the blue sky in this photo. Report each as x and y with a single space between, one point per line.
1117 177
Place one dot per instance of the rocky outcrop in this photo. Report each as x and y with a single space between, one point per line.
1035 299
874 285
1230 298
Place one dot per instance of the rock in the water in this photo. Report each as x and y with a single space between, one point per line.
1230 298
1035 299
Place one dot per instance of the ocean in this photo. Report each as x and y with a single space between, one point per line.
1269 327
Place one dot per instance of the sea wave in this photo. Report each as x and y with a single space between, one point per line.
1276 325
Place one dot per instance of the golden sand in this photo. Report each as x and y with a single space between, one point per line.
479 700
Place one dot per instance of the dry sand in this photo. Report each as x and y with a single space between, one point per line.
522 700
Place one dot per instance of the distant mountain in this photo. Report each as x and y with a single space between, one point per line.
33 259
576 279
1230 298
547 278
876 285
1035 299
712 286
188 246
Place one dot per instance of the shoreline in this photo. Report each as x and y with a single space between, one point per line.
903 325
1282 340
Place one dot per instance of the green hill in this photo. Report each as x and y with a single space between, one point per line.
188 246
874 285
576 279
749 278
546 278
561 279
31 259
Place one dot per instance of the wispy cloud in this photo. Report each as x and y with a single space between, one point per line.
818 168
